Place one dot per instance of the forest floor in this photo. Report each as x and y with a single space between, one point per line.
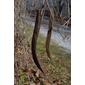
57 70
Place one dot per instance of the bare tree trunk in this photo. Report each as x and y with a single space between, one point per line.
35 36
33 2
49 36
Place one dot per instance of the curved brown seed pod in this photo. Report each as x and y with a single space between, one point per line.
49 36
35 36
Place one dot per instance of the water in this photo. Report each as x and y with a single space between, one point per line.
56 37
